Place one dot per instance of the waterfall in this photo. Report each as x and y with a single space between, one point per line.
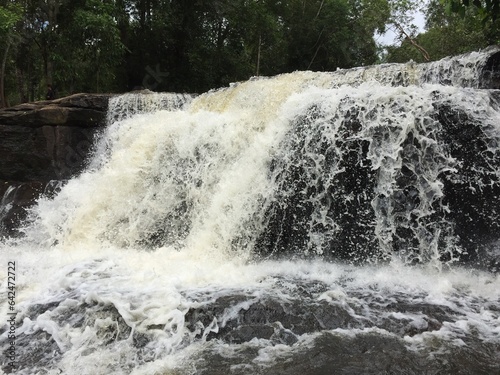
144 101
298 164
328 215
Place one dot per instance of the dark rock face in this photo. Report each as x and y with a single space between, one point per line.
473 193
85 110
49 152
442 192
490 77
42 143
313 184
49 140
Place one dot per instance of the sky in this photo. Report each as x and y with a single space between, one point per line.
389 37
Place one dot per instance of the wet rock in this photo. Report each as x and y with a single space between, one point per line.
49 140
43 143
86 110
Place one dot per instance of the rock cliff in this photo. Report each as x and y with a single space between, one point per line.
42 144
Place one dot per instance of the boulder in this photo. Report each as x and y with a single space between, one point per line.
44 143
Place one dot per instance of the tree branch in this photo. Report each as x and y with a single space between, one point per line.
422 50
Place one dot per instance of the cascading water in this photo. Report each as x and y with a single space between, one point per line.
293 224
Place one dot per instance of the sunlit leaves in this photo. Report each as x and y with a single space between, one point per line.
9 16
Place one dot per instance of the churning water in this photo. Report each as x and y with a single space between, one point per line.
309 223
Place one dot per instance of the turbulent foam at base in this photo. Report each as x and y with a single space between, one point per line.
162 312
281 225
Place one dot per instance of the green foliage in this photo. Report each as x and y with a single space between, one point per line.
193 46
401 17
178 45
488 10
89 50
447 34
10 14
371 16
198 45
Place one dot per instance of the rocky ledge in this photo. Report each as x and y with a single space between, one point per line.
42 144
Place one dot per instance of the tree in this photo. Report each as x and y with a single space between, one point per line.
74 45
446 34
489 10
371 16
88 47
331 34
178 45
401 23
10 14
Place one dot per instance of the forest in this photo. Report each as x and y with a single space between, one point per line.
196 45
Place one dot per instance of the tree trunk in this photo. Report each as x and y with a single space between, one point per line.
317 49
21 86
3 100
258 56
421 49
52 11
